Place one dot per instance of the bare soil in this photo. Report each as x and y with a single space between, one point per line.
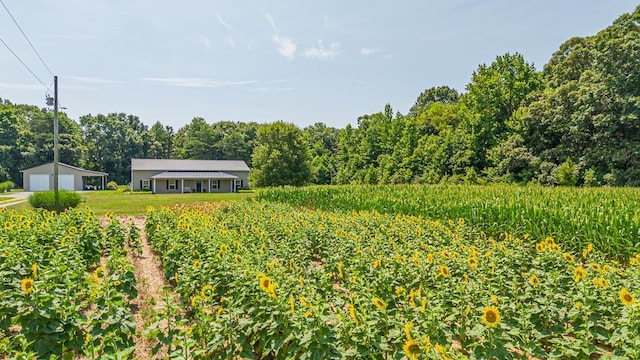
150 283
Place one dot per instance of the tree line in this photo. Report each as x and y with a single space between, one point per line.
575 122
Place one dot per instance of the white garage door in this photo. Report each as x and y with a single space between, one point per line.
65 182
38 182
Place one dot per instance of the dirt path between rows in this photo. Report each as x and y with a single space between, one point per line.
150 284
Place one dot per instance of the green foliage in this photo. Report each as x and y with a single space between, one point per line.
46 200
306 283
606 217
112 185
6 186
57 300
566 174
590 178
281 156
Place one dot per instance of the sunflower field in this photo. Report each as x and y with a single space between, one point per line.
608 218
269 280
65 285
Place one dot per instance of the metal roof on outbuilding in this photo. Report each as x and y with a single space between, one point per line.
85 171
188 165
193 175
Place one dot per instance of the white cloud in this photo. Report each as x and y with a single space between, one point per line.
286 46
224 23
195 82
320 52
271 22
369 51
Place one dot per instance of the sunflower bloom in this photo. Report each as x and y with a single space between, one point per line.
197 265
98 274
411 349
292 304
269 286
444 271
473 263
491 316
26 285
533 280
352 313
579 273
207 291
441 350
568 257
34 270
626 297
594 267
379 303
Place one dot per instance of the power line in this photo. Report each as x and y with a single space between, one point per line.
26 38
25 65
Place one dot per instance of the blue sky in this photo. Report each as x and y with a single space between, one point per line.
298 61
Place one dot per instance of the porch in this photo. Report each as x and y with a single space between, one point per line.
193 182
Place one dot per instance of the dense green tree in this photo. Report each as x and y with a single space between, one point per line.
494 94
590 109
440 94
281 156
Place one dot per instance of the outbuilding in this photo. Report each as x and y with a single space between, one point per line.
189 176
40 178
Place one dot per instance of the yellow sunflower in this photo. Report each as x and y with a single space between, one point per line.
444 271
411 349
491 316
27 285
197 265
579 273
626 297
379 303
34 270
473 262
98 274
265 283
533 280
352 313
568 257
292 303
594 267
207 291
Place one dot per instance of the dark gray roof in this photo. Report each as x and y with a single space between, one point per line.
194 175
188 165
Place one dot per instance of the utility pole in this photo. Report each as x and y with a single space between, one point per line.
56 145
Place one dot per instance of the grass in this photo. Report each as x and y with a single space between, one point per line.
136 203
5 199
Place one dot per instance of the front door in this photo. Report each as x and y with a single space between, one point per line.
198 186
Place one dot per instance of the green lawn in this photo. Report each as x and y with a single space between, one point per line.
134 203
5 198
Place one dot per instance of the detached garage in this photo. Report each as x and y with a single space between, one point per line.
40 178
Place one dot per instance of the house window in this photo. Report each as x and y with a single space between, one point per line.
238 184
172 185
215 184
145 185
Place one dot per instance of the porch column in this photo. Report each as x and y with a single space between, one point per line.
103 182
181 186
154 187
233 185
209 188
